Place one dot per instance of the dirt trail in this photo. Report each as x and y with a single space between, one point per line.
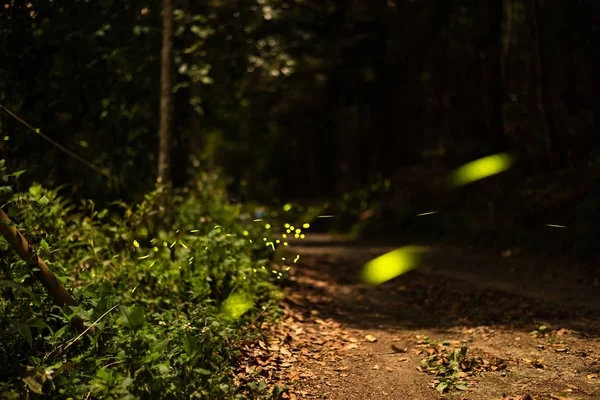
341 339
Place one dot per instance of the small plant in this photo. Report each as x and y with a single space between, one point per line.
452 367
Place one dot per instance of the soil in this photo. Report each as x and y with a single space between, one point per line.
532 323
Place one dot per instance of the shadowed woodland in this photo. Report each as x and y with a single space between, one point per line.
156 155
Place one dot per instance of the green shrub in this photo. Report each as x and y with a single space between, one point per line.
172 282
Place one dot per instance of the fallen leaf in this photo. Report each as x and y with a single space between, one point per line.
572 386
398 349
371 338
563 331
285 352
560 396
592 376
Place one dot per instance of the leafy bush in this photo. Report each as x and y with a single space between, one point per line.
171 283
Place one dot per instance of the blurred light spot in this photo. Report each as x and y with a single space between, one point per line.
482 168
427 213
391 265
236 305
556 226
287 207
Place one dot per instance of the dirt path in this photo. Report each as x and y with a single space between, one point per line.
341 339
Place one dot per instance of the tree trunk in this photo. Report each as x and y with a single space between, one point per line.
532 8
166 91
554 53
489 49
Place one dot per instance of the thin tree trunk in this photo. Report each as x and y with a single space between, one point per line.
43 274
166 91
489 49
532 10
507 40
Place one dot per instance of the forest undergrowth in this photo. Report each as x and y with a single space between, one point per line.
169 284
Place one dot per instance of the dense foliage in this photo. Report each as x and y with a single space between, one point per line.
170 289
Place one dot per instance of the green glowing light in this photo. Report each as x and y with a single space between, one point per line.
391 265
480 169
236 305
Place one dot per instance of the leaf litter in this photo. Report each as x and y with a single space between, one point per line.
313 353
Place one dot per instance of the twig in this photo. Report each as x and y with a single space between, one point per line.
61 349
90 327
256 319
60 146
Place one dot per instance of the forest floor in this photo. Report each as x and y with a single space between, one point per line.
530 324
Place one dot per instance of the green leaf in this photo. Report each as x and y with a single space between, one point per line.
126 382
224 387
23 330
33 384
461 387
442 387
37 323
163 368
136 318
133 319
44 245
161 346
202 371
18 173
20 288
189 345
36 190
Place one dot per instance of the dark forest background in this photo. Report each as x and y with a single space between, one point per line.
361 106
